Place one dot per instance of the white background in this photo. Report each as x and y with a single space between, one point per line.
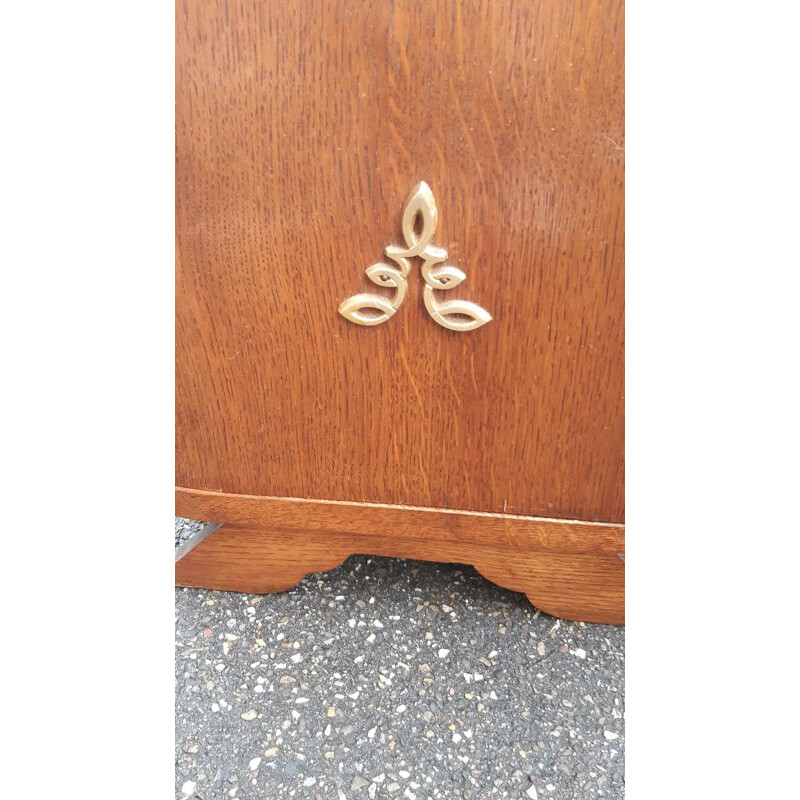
87 383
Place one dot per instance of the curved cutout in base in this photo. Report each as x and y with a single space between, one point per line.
578 587
255 561
568 569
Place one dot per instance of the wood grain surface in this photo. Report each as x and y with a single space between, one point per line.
589 588
300 130
356 520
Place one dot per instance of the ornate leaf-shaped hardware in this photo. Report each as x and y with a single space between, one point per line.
419 225
383 275
458 315
420 204
352 309
443 277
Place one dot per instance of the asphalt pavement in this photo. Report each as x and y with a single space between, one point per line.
390 678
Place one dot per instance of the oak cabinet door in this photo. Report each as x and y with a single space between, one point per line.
301 129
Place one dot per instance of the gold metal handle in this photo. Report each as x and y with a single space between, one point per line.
457 315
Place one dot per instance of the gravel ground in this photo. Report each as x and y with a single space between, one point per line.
388 678
185 529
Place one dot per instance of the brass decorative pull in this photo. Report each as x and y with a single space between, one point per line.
457 315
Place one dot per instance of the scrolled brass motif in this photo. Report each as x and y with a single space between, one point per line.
419 213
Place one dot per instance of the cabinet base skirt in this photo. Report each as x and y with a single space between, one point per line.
570 569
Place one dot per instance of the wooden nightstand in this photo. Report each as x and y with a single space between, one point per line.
400 292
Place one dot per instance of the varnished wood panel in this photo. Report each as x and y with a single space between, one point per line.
300 130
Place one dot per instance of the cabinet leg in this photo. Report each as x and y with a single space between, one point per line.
589 588
255 560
